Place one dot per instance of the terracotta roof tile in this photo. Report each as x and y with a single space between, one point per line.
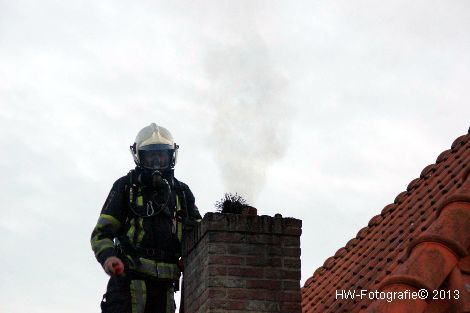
411 230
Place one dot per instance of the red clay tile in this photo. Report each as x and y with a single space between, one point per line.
388 208
464 265
413 184
427 171
401 197
341 252
443 156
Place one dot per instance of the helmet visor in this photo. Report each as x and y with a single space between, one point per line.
155 159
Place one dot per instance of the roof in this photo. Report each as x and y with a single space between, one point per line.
421 240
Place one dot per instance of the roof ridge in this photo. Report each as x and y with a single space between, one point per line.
400 237
377 219
382 244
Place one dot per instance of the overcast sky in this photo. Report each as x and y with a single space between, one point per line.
319 110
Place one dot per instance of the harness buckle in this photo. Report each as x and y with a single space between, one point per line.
150 208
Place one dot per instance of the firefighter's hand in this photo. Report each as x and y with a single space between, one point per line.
113 266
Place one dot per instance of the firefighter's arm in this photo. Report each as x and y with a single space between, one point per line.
109 224
193 216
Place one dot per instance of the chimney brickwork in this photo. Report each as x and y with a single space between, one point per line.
243 263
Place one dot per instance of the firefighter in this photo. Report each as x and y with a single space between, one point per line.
137 239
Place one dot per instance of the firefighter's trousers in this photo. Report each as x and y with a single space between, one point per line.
128 295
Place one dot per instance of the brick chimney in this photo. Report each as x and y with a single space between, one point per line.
243 263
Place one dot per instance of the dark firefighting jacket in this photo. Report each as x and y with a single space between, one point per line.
146 237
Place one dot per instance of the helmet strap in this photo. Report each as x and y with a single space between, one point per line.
134 154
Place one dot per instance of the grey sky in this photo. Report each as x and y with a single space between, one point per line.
343 101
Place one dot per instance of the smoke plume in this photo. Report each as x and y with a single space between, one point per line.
251 128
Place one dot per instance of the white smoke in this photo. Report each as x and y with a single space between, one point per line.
251 128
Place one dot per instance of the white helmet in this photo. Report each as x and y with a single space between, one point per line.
154 148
